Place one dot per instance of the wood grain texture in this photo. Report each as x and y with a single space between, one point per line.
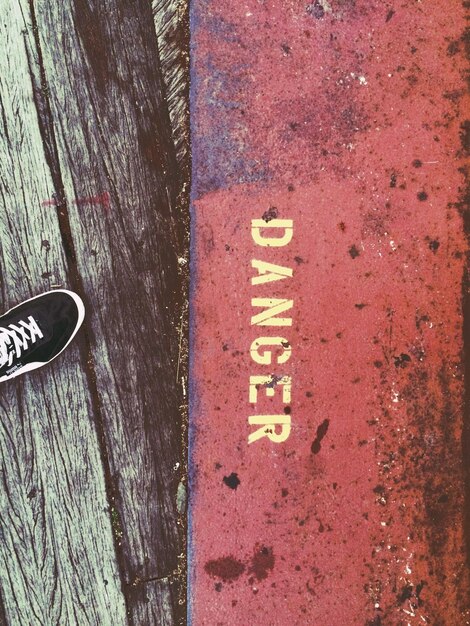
103 98
171 22
153 603
57 556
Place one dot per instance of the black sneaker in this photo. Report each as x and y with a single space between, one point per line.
36 331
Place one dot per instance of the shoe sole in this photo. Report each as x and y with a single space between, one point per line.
37 364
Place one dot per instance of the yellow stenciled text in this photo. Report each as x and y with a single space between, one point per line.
272 350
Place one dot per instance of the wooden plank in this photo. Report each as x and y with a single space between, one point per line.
57 556
152 603
171 22
101 80
172 28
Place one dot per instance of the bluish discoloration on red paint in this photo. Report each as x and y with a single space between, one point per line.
225 140
351 127
222 158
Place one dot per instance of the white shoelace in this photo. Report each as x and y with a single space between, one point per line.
16 338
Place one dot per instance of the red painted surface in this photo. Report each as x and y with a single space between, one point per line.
345 117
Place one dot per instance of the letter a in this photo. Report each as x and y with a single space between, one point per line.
268 272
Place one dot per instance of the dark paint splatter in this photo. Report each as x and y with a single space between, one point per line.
453 48
232 481
405 594
402 360
316 10
419 589
273 382
226 568
321 433
262 562
270 214
354 252
465 135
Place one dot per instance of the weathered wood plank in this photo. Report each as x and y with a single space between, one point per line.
172 27
171 23
153 603
57 556
111 127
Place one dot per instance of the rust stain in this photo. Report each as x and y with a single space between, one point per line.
262 563
227 568
321 433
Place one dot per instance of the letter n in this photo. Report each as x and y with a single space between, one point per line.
273 307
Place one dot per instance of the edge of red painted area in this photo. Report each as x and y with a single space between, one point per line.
196 386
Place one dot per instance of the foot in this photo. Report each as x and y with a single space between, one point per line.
35 332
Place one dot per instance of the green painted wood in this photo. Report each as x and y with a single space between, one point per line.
58 563
91 197
92 188
102 102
